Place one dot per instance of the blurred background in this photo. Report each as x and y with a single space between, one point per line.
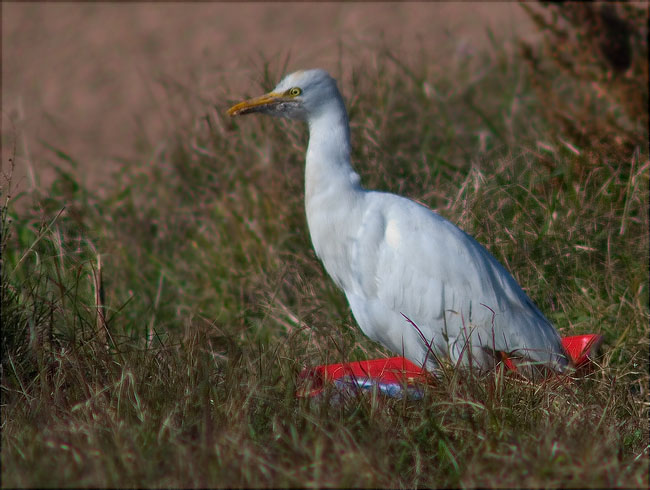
103 82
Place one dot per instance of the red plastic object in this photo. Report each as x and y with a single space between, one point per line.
390 371
394 372
581 348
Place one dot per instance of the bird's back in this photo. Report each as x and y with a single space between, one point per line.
409 268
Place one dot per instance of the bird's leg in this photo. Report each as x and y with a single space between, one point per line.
426 342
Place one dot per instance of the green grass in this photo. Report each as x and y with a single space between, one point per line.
178 368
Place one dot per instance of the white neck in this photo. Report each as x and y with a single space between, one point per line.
328 166
333 194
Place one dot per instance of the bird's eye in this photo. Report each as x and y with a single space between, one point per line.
294 92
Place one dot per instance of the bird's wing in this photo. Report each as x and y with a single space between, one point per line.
411 261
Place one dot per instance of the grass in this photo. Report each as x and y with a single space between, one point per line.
153 332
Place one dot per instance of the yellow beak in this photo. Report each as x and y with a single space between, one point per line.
255 104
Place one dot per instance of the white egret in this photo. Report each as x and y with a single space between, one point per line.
415 282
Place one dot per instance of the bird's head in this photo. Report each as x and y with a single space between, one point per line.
300 95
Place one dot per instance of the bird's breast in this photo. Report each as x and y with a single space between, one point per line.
333 223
